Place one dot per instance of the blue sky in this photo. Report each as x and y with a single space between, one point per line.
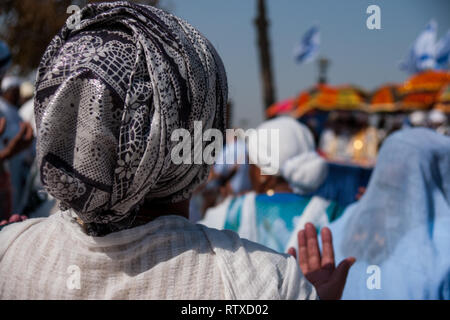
360 56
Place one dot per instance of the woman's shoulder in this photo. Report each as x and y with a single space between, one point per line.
12 232
253 271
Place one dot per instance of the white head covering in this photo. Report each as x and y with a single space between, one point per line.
9 82
437 116
418 118
289 152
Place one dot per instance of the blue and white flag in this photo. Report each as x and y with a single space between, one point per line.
422 54
308 48
443 52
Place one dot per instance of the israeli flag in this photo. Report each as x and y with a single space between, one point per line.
422 53
308 48
443 52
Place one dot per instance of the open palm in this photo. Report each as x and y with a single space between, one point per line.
318 268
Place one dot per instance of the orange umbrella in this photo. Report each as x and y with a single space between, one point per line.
421 90
327 98
384 99
443 101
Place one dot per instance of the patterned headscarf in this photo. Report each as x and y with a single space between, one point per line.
109 94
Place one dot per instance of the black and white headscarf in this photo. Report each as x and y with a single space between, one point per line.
109 94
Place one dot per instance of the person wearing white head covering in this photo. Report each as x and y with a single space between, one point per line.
439 122
11 82
292 156
418 119
284 170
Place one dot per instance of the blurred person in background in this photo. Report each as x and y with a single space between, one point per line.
438 121
19 165
418 119
280 204
349 137
15 136
399 231
34 201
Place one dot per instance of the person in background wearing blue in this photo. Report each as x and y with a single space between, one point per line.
399 231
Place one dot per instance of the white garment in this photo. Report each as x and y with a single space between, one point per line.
285 147
168 258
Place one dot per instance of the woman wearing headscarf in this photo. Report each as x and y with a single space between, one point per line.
284 170
109 94
399 229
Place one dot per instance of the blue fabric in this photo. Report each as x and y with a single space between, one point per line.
234 213
276 217
5 58
402 223
342 183
315 120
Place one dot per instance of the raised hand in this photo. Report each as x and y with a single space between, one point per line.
318 268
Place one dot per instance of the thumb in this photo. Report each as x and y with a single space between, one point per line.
341 272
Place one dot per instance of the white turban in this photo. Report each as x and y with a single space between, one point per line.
10 82
285 147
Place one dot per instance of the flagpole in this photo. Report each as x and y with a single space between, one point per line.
323 64
264 55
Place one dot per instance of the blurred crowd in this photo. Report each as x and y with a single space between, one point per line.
20 189
355 136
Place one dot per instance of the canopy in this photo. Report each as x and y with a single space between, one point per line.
384 99
421 91
328 98
443 100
